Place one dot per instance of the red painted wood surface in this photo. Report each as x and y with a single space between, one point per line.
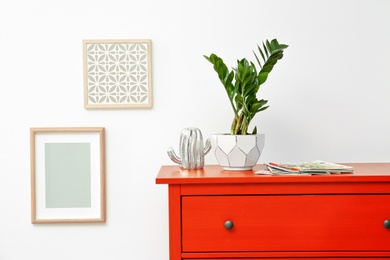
174 222
328 217
363 172
284 255
286 223
289 258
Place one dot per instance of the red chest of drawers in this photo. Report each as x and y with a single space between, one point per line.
216 214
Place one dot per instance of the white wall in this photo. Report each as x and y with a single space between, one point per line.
329 99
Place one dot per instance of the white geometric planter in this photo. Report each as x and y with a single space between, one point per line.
237 152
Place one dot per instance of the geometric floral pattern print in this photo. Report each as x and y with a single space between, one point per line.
117 73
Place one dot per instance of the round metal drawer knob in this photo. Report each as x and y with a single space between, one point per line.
387 224
229 224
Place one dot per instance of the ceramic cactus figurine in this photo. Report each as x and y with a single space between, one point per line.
191 149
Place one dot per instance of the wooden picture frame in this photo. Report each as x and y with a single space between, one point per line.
117 73
68 175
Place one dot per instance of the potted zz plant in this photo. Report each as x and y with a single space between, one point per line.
240 150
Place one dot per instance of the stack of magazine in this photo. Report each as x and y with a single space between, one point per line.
305 168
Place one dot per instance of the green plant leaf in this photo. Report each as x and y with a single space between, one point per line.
262 77
257 58
282 46
265 50
254 130
262 108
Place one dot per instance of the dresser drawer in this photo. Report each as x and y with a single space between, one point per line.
285 223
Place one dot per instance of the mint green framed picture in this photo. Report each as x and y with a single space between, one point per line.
67 175
117 73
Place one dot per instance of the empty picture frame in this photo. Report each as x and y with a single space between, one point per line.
117 73
68 175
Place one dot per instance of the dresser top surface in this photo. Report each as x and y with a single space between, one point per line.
362 172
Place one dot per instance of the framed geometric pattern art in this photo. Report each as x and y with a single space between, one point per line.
68 175
117 73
